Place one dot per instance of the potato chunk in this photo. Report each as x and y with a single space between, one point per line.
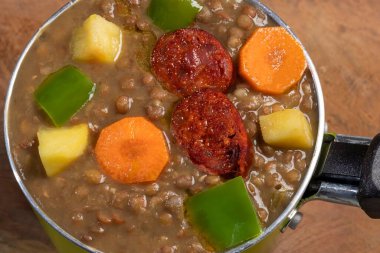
97 40
58 147
287 129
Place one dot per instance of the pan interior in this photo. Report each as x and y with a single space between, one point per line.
22 72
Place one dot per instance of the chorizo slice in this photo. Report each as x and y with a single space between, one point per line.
190 60
208 126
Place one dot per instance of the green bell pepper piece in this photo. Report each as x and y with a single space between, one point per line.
171 15
224 215
63 93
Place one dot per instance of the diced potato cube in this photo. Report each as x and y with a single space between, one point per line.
58 147
97 40
287 129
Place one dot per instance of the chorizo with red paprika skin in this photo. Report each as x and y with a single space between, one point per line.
208 126
190 60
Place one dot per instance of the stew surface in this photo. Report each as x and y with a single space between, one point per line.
148 217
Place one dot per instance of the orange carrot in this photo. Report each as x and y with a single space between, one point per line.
132 150
271 60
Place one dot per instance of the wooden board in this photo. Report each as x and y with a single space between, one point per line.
343 39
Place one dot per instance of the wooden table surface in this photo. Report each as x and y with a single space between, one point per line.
343 39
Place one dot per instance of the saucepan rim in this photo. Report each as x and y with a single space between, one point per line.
280 221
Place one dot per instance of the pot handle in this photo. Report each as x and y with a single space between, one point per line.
348 172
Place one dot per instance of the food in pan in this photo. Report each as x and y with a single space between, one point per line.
139 132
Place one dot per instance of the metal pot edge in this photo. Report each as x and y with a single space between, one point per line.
269 230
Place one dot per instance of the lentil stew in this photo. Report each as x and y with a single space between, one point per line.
121 217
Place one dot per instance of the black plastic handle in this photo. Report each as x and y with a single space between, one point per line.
348 172
369 187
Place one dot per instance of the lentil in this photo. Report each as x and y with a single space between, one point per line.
293 176
94 176
143 25
127 84
204 15
123 104
244 22
249 11
148 79
155 109
184 181
212 180
138 203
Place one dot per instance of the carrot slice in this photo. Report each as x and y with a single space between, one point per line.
271 60
132 150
